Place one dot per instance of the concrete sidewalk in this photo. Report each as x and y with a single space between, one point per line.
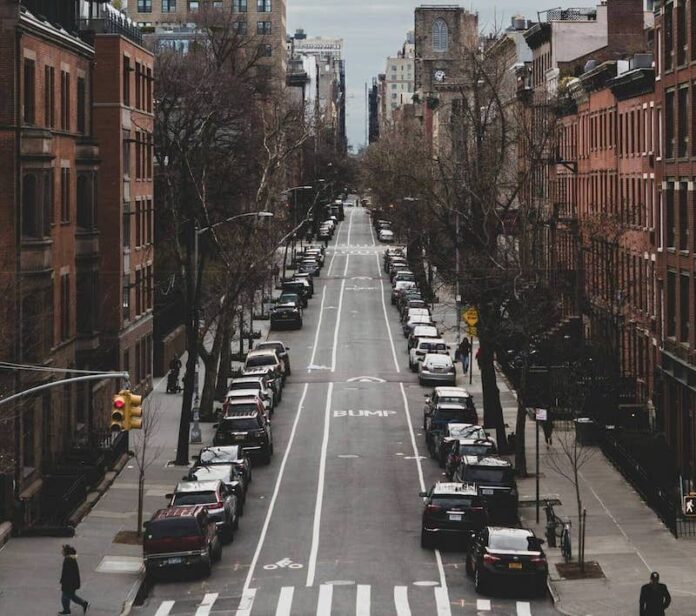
624 535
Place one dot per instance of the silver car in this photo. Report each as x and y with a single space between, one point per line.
436 368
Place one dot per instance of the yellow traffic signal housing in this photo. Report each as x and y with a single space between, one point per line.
118 412
134 412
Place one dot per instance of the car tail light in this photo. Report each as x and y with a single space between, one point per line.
476 509
215 508
434 508
490 559
539 562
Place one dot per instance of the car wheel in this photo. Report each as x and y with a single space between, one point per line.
469 568
250 476
480 582
227 534
412 366
426 540
216 553
440 461
420 381
207 565
266 458
240 510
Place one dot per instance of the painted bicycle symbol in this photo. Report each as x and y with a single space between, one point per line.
284 563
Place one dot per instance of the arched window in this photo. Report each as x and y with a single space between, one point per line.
440 36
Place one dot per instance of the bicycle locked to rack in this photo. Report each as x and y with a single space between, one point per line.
558 528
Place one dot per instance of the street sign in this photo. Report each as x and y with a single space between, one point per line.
541 414
690 505
472 330
470 315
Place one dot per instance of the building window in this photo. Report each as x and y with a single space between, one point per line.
138 85
138 292
49 96
37 324
31 212
440 36
65 100
264 6
681 33
265 51
263 27
87 302
126 297
239 26
29 91
149 221
217 4
126 153
81 105
682 122
193 5
126 225
65 195
693 30
240 6
669 124
64 307
138 155
86 200
126 80
670 218
682 223
168 6
145 6
668 28
138 227
684 309
148 89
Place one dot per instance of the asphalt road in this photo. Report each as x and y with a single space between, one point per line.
332 526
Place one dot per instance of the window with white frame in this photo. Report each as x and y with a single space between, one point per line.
440 36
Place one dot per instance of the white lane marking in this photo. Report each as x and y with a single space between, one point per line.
338 319
350 227
271 506
401 601
316 528
246 602
483 605
372 233
316 336
386 318
324 602
442 601
207 604
523 609
362 600
285 601
335 252
164 608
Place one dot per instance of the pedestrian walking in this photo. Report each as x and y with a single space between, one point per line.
654 597
547 427
465 354
70 581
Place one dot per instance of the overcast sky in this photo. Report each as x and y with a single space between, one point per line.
374 29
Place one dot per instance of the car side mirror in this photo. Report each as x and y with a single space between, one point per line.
215 425
169 496
186 477
196 457
422 494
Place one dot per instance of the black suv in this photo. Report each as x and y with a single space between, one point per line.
475 446
439 417
181 537
450 435
250 430
496 484
296 287
452 510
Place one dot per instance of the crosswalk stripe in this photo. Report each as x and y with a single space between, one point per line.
483 605
401 601
246 602
362 600
442 601
324 602
523 609
285 601
164 608
207 604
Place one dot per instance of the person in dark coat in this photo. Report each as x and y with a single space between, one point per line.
465 354
70 581
654 597
547 426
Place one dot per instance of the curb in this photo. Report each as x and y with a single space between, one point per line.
136 594
94 496
556 598
5 532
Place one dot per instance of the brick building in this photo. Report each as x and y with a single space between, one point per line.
675 171
54 149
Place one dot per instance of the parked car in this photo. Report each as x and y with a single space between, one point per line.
412 322
436 423
423 347
436 368
286 317
290 299
246 396
226 473
415 312
454 398
272 378
250 430
258 384
386 236
422 331
404 275
495 479
449 455
411 303
266 357
299 288
310 266
452 511
450 435
180 538
307 277
399 288
499 556
280 349
220 502
230 454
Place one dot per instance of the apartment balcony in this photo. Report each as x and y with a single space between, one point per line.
86 243
36 144
86 151
36 255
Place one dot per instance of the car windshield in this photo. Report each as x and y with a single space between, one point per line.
238 424
195 498
172 528
260 360
253 385
462 431
516 542
476 450
449 415
483 474
288 298
433 346
209 456
453 500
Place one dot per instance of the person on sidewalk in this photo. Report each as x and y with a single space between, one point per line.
547 427
70 581
654 597
465 354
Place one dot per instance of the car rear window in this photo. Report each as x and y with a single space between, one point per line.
450 415
433 346
463 431
452 500
172 528
238 424
195 498
236 386
480 474
212 457
511 542
260 360
476 450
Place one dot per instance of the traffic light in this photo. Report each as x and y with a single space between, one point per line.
126 412
118 413
134 412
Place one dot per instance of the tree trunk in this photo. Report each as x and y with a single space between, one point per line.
492 409
211 360
520 424
224 370
182 447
